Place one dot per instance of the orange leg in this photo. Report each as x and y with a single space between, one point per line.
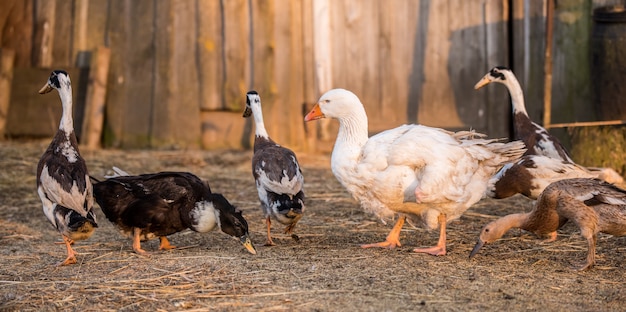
137 242
551 237
165 244
289 228
393 238
71 254
269 241
440 248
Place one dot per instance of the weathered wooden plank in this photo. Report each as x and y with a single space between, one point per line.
62 49
80 27
129 97
17 25
287 111
96 96
44 33
571 92
224 129
30 113
310 93
528 44
211 69
236 52
498 108
356 54
97 14
323 38
437 104
398 30
7 59
176 104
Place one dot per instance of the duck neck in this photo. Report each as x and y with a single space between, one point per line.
67 122
517 95
259 125
516 220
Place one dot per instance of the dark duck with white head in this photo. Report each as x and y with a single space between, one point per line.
62 178
593 205
546 160
278 177
160 204
537 139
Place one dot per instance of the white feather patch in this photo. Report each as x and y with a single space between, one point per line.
73 199
284 186
68 151
205 216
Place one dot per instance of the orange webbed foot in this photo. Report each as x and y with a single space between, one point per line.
435 251
386 244
165 244
393 238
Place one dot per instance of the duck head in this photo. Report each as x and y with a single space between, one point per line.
252 98
231 221
58 79
496 74
493 231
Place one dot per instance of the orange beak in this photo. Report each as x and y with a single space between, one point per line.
315 113
483 82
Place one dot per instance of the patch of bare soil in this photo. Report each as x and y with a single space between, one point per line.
325 271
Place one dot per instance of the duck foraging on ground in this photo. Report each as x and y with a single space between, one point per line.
277 174
594 205
62 179
426 173
160 204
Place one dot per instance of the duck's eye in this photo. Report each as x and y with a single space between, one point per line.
487 230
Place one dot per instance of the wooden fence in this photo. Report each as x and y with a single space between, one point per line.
179 69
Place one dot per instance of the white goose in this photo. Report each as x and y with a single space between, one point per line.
62 179
278 177
431 174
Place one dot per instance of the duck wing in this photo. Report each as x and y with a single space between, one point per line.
276 169
66 184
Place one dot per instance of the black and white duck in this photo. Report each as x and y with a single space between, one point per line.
62 178
537 139
160 204
593 205
277 174
539 142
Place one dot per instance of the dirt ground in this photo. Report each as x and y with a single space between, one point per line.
325 271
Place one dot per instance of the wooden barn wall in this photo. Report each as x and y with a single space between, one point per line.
180 69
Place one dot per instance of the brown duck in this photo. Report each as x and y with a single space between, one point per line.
594 205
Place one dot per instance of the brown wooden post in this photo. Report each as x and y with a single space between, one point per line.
7 58
96 98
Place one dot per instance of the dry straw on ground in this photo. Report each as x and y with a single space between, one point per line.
325 271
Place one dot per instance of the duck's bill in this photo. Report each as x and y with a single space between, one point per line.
479 244
483 82
246 242
315 113
247 112
45 89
